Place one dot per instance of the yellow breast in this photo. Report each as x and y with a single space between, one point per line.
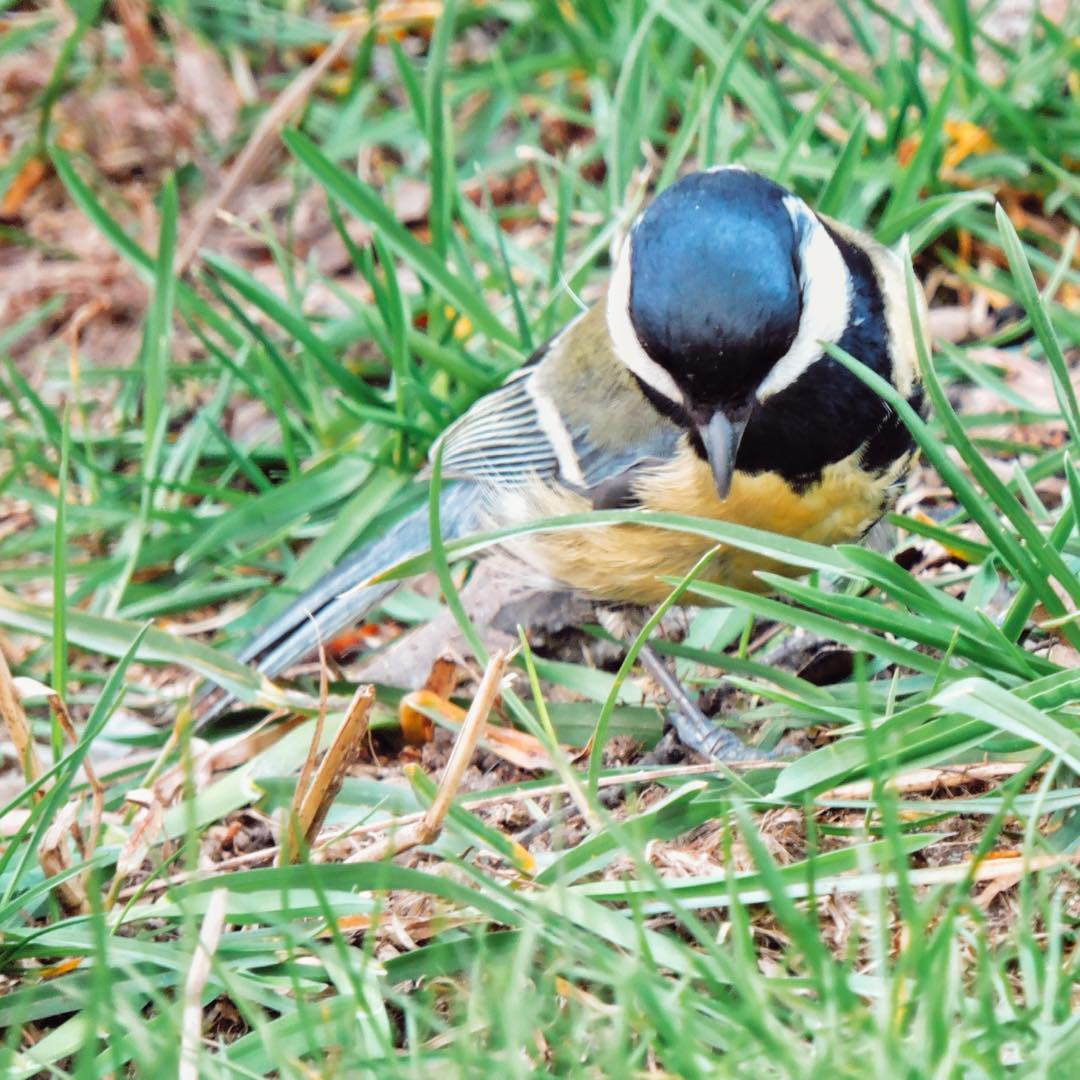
627 563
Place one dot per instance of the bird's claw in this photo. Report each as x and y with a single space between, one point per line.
712 740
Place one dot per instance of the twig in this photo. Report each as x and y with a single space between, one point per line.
430 824
989 869
927 779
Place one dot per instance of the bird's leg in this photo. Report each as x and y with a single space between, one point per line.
695 730
690 728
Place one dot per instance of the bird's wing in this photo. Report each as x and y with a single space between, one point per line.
501 438
586 425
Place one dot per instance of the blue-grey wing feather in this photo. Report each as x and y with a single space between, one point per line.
584 425
502 439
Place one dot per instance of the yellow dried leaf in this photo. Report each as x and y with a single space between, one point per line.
415 726
965 139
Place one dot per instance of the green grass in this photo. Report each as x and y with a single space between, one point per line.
793 930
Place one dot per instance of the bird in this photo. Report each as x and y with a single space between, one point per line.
700 383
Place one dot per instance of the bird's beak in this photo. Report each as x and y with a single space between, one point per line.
721 436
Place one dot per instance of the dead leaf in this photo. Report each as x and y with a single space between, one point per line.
203 85
135 20
54 855
30 175
417 727
958 322
411 200
1065 655
13 821
65 967
965 139
994 889
517 747
145 830
441 682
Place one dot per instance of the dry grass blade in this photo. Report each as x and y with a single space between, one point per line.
316 802
430 824
1015 866
145 829
198 973
18 728
54 855
308 770
97 789
929 779
233 752
465 745
1009 869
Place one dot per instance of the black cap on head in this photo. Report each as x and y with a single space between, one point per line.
714 283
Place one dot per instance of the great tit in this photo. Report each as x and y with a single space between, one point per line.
699 385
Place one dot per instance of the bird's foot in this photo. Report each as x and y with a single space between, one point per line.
711 740
695 730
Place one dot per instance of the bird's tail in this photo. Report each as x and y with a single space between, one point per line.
340 598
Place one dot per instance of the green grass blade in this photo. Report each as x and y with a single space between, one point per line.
60 597
363 201
294 323
1040 322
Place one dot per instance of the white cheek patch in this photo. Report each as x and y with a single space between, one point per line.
893 284
826 301
624 338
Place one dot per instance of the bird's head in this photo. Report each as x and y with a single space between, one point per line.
721 297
